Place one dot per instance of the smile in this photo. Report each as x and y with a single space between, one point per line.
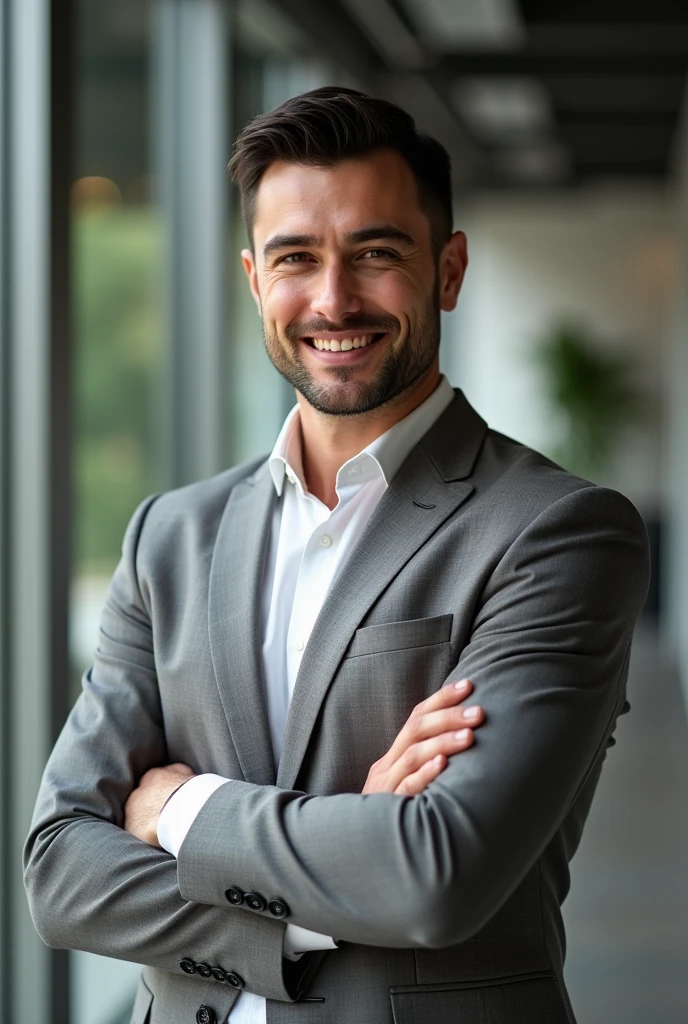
343 344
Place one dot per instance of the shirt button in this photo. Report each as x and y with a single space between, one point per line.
299 645
325 541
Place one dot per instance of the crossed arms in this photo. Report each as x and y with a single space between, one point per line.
548 657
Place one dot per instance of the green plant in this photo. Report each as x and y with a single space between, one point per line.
591 390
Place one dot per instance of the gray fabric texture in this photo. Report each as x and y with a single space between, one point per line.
482 559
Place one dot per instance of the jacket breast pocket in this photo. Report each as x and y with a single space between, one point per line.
534 998
399 636
142 1004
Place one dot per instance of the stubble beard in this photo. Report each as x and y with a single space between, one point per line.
346 396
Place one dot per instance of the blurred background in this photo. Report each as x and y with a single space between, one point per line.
131 360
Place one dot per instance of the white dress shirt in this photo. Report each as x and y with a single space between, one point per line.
308 545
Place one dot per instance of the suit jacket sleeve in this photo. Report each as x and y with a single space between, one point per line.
548 656
91 885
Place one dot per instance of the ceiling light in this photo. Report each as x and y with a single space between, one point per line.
493 107
467 24
540 163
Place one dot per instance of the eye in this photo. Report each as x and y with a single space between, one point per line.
379 254
295 257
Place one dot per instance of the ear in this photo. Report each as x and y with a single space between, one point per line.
452 267
249 265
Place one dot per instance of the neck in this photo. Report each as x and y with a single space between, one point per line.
330 441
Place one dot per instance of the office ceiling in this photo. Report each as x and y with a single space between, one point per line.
526 94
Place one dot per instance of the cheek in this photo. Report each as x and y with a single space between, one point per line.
397 294
284 300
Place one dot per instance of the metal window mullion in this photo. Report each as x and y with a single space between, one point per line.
190 114
34 477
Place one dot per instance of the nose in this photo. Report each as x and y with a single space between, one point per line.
334 295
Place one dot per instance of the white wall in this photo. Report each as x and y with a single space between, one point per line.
604 258
676 481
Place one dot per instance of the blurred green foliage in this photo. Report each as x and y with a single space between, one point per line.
590 389
117 368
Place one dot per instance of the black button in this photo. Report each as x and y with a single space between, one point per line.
235 980
188 965
255 901
219 974
205 1015
204 969
278 908
235 895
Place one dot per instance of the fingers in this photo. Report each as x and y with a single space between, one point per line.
438 713
415 783
420 754
449 694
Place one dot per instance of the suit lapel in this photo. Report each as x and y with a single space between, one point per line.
234 621
428 489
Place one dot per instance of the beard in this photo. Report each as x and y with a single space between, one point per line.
345 395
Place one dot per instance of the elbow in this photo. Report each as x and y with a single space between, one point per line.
449 894
445 922
50 924
443 913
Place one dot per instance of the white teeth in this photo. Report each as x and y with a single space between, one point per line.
345 345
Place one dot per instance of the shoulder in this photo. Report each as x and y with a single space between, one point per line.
523 484
194 510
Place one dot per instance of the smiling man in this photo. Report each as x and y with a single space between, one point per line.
270 792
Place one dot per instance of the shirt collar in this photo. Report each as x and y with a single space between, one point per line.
382 457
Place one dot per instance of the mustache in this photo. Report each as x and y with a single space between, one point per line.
358 322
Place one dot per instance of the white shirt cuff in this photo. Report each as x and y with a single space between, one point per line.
180 811
175 820
298 941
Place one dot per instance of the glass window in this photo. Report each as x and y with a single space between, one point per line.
118 355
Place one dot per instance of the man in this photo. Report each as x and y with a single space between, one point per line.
270 753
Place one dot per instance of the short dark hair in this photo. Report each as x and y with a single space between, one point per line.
327 125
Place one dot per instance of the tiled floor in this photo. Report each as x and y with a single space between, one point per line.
627 913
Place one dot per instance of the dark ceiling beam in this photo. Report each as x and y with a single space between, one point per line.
616 142
525 62
604 11
607 40
633 120
595 167
614 93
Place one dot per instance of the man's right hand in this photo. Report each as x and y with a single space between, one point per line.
435 729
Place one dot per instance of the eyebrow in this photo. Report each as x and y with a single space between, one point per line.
377 231
381 231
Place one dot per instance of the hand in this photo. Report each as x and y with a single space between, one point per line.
143 806
436 728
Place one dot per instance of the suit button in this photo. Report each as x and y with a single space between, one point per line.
219 974
235 980
204 969
235 895
205 1015
255 901
278 908
188 965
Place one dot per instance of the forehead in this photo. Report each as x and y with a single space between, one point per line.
302 199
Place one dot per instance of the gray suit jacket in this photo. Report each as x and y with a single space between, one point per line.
483 559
